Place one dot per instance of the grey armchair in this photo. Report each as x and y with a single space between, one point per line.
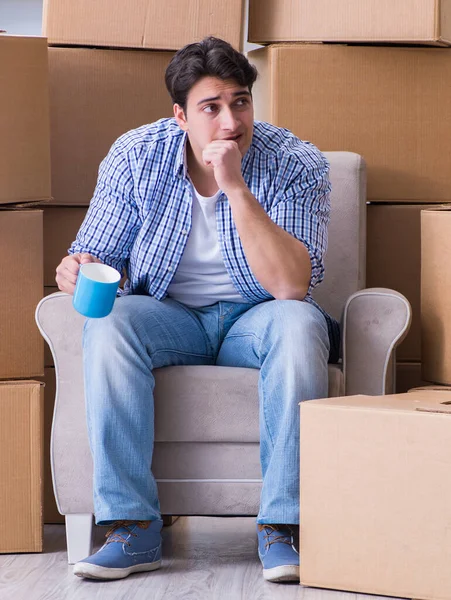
206 458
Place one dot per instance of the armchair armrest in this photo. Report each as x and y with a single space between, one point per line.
62 327
375 321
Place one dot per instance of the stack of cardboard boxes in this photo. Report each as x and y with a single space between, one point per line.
371 76
107 77
368 76
24 182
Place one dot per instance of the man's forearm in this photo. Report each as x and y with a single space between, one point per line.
279 261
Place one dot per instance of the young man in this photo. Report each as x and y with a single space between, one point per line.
221 224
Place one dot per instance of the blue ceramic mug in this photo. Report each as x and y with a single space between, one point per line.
95 290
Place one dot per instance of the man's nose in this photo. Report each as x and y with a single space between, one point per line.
228 120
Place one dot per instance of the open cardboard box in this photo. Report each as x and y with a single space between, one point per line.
375 504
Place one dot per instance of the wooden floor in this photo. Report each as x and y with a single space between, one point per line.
203 559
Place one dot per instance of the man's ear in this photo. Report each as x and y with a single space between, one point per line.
180 117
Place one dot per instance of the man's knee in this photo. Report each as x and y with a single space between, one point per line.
298 333
297 319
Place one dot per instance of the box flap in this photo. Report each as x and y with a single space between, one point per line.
430 388
440 208
443 408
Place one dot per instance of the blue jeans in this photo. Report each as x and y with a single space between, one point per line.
286 339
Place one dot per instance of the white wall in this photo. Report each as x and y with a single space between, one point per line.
21 17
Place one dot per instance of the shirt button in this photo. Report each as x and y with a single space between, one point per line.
169 268
184 232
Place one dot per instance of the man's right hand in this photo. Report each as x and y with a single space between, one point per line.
67 270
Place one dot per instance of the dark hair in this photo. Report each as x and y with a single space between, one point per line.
212 57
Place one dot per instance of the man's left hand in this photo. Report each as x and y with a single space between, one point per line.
224 157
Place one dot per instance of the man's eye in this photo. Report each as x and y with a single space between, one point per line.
242 102
209 108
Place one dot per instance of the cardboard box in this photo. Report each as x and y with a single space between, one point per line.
376 494
408 376
403 21
388 104
95 97
24 120
21 466
152 24
393 261
61 225
21 266
436 294
51 513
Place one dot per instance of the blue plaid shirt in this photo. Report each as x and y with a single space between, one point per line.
140 215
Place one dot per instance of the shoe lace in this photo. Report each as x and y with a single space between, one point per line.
112 536
271 537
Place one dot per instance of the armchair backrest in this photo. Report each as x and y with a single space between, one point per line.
345 262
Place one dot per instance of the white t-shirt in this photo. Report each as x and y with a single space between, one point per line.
201 278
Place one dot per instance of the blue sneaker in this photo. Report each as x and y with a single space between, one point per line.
131 547
277 551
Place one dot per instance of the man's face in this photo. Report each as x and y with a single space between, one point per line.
217 110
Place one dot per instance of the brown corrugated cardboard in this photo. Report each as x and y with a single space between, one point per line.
436 294
51 513
393 261
375 494
21 266
408 376
61 224
96 96
403 21
166 25
431 388
386 103
24 120
21 466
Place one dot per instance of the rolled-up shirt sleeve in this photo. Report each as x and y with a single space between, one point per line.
112 221
302 207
